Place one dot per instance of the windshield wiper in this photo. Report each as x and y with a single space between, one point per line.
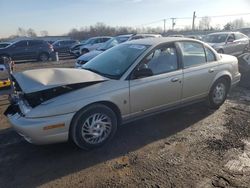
102 74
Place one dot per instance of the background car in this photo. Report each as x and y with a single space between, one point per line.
123 38
88 45
130 81
233 43
90 55
4 44
28 50
93 44
142 36
63 46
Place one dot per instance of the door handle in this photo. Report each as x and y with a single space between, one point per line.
211 70
175 79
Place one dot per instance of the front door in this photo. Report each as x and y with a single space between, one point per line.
160 90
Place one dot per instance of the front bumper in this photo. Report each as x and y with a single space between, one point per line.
47 130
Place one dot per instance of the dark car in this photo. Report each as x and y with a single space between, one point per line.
28 50
63 46
4 44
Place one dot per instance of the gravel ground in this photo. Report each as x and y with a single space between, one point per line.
189 147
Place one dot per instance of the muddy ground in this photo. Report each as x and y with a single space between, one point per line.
189 147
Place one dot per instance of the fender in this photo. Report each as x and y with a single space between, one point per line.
219 75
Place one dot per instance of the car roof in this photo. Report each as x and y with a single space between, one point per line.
160 40
127 35
100 37
225 32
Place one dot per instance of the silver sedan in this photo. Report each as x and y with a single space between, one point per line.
130 81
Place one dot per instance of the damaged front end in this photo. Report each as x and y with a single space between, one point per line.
22 103
24 98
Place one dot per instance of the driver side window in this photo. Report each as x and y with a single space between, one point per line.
161 60
231 38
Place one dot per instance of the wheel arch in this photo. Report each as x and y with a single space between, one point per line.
222 75
108 104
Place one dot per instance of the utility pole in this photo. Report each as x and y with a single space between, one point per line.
164 21
173 23
193 25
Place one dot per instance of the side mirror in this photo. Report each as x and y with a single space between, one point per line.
230 40
144 72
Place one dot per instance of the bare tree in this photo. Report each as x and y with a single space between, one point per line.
21 32
31 33
204 23
44 33
238 23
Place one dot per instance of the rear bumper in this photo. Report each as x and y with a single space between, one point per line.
236 80
40 131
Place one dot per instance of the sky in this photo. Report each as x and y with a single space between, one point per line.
60 16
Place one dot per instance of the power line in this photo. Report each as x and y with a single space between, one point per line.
182 18
226 15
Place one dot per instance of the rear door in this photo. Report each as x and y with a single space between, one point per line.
34 48
242 42
231 45
199 70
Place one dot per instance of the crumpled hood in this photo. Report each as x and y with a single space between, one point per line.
90 55
41 79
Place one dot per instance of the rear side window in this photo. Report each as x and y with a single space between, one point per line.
35 43
239 36
21 44
193 54
210 55
104 39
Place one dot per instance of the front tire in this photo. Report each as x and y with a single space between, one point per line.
43 57
93 126
218 93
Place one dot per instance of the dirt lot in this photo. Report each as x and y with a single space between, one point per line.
189 147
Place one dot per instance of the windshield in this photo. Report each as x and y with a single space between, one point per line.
215 38
109 44
115 62
122 39
89 41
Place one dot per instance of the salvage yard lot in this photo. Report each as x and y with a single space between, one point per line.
189 147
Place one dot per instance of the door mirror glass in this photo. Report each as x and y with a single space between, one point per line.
143 72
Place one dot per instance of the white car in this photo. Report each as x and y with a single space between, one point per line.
127 82
95 43
233 43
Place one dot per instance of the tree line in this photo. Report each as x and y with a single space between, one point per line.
100 29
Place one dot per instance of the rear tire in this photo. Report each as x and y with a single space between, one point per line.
218 93
93 126
43 57
221 51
